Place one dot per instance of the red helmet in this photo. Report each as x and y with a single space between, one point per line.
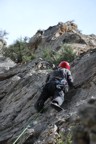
64 64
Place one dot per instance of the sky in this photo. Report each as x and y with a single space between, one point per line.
22 18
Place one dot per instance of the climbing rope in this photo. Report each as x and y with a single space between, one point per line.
21 135
28 126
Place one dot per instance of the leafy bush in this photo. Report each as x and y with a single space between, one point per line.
65 53
3 34
64 138
48 54
19 51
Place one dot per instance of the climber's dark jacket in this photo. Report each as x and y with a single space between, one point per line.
66 75
57 84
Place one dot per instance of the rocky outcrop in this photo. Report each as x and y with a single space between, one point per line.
21 85
62 33
19 91
5 64
2 44
85 132
35 40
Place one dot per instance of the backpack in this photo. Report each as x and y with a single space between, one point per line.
58 74
58 77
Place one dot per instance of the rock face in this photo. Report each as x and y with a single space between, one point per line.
85 132
2 44
20 87
5 64
35 40
60 34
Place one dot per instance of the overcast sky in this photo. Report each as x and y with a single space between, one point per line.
22 18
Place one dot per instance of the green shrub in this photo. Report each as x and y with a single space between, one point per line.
48 54
69 138
65 53
19 51
28 58
64 138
